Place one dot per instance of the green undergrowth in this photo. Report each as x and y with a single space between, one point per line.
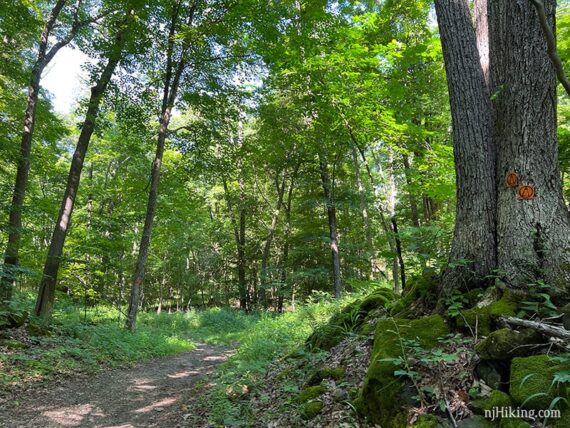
228 399
83 340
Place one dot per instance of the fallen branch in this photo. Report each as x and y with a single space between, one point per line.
546 329
551 44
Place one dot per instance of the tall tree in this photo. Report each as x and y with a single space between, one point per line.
473 253
46 292
519 224
49 45
328 192
176 63
533 235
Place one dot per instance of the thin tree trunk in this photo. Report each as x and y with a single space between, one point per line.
171 86
239 235
533 235
399 256
331 215
473 254
383 220
398 263
46 293
241 248
364 211
269 238
286 240
411 195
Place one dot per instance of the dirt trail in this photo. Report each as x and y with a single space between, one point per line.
146 395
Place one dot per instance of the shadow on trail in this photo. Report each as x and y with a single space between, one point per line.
146 395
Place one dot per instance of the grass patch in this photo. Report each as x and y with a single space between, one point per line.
271 336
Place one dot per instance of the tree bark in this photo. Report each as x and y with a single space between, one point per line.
239 235
533 236
242 281
286 239
170 92
541 327
399 256
46 293
331 215
364 211
269 239
23 169
473 253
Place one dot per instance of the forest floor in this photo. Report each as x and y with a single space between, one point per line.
149 394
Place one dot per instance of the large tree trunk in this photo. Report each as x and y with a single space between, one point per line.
331 215
473 253
533 236
46 293
7 274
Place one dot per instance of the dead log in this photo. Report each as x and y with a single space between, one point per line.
541 327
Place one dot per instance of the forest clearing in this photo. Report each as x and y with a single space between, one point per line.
285 213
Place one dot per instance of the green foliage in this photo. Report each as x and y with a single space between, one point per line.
538 301
264 340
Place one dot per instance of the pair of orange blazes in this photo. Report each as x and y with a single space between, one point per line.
524 191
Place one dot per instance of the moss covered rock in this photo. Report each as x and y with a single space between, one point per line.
326 337
427 421
563 421
379 299
326 373
496 399
531 381
38 330
514 423
481 318
380 398
312 409
349 319
311 393
506 344
475 422
420 288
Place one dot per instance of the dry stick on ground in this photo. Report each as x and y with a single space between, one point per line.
551 44
547 329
